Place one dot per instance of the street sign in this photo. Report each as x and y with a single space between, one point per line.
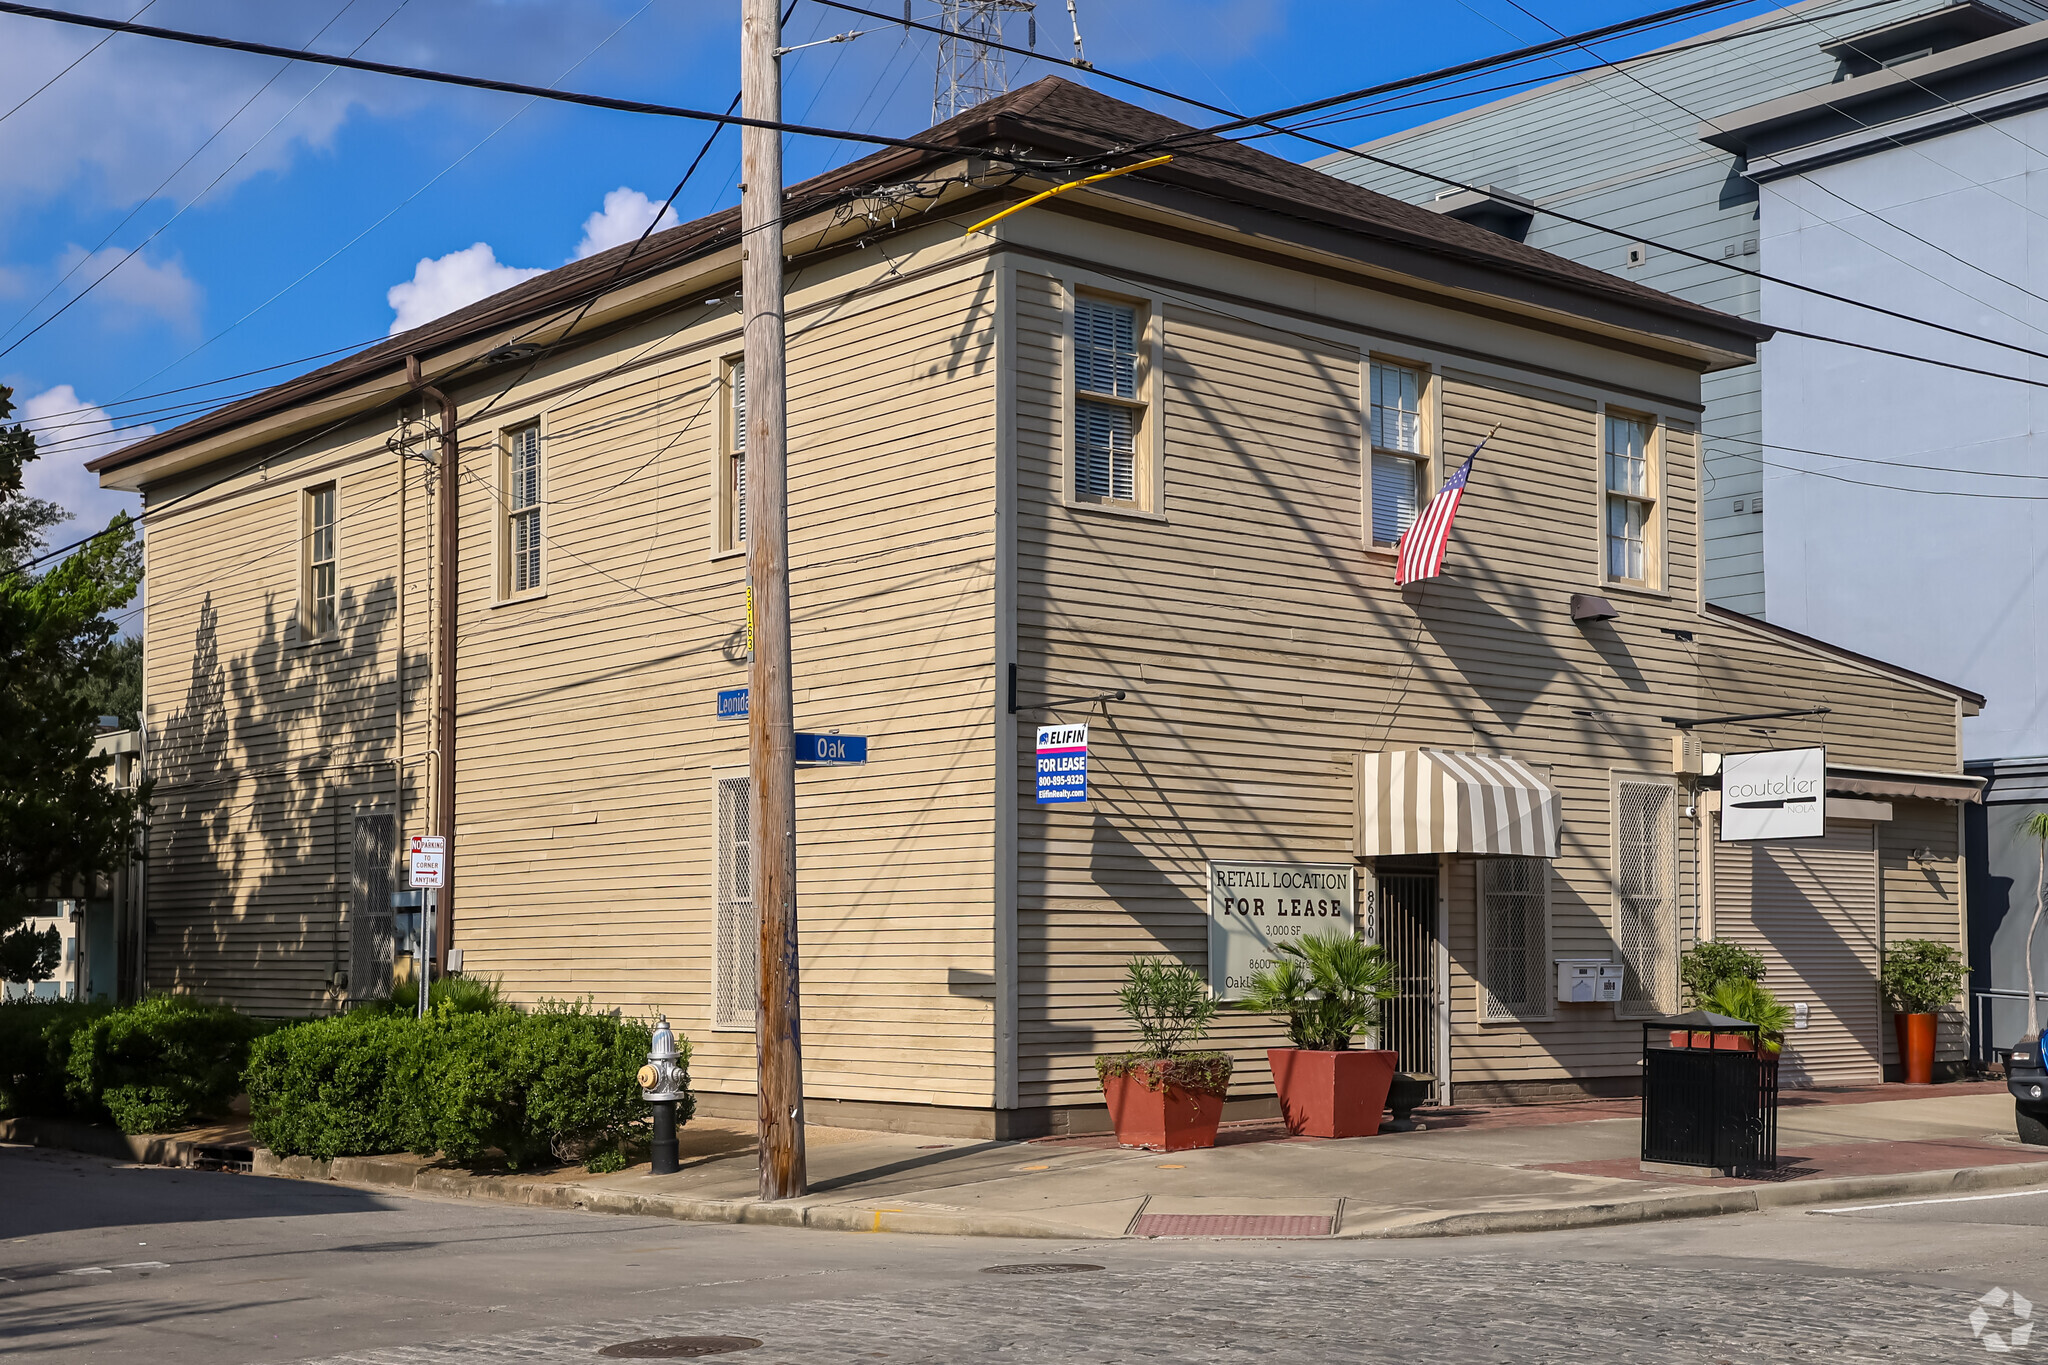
732 704
1062 764
429 843
1778 794
829 750
429 869
1254 907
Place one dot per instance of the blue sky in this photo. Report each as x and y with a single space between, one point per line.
281 210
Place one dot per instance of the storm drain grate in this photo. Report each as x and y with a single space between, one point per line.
214 1157
677 1348
1038 1268
1234 1225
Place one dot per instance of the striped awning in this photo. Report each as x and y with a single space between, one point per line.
1450 801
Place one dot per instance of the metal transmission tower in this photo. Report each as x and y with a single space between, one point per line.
970 70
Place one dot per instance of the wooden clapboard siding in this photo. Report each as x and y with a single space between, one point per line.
588 743
1262 646
1920 870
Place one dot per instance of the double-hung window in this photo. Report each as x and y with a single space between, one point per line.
1108 411
522 511
1631 500
733 469
1398 462
317 583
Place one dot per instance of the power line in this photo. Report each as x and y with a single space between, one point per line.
622 106
73 67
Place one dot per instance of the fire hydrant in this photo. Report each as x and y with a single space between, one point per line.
662 1082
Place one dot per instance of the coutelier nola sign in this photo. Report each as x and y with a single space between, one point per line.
1255 906
1779 794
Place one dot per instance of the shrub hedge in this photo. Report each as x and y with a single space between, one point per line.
557 1082
35 1054
162 1064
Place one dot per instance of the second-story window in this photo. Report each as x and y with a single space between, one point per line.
318 587
1631 499
1108 412
735 463
1398 462
522 511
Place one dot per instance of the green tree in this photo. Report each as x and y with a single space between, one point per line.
60 822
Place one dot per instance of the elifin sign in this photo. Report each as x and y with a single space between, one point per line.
1062 764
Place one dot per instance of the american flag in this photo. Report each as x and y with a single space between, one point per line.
1422 545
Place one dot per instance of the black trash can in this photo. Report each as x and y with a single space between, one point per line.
1710 1096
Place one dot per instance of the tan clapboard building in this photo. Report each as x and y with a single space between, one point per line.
1153 436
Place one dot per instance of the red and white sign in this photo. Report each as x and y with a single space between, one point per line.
429 861
429 843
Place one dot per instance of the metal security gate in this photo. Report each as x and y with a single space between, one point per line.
1407 930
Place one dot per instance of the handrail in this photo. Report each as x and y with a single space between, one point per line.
1982 1050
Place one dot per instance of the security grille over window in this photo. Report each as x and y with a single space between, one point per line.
1105 367
1396 451
320 562
373 862
522 502
737 946
1646 911
1513 936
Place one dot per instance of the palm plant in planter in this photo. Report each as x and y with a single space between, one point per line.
1330 987
1160 1096
1739 997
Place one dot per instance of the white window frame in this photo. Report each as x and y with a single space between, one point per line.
510 514
1492 1010
1664 998
1652 498
1423 457
735 926
1147 437
312 629
728 459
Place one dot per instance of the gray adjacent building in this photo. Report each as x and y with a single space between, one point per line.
1889 152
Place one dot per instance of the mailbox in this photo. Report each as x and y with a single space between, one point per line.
1589 981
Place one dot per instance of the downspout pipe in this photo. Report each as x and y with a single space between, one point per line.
445 589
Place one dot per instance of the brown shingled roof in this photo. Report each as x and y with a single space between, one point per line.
1053 115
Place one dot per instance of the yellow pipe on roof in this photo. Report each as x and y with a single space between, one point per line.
1062 189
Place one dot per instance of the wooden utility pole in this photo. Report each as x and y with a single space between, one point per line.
771 746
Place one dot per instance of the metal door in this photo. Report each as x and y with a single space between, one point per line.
1407 930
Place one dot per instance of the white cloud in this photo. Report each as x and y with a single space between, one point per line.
625 216
70 431
440 285
163 289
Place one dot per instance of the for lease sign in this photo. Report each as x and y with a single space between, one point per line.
1254 907
1780 794
1062 764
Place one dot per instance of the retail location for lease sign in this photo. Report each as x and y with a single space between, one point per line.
1255 906
1062 764
1781 794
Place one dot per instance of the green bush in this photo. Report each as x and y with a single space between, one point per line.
162 1064
556 1083
1741 998
35 1054
456 994
1706 965
1922 975
1330 987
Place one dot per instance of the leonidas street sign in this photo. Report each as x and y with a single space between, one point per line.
1781 794
1253 907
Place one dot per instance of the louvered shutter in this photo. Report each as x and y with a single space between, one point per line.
736 931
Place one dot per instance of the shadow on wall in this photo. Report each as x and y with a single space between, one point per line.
260 772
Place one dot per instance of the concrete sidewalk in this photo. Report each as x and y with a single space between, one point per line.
1522 1168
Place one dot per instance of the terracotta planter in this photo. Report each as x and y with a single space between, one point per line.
1332 1094
1169 1119
1916 1047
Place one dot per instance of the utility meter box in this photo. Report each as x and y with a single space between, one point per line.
1589 981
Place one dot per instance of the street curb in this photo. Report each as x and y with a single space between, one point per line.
385 1174
1721 1202
399 1174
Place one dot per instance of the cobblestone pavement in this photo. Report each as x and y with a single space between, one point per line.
1474 1309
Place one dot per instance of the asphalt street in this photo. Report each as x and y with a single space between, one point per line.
107 1263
